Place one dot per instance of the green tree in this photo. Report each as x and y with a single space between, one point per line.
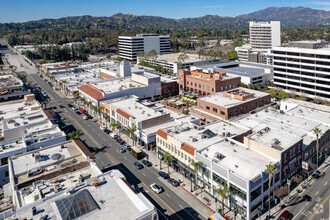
89 104
283 95
98 112
152 54
130 131
166 158
238 42
222 192
82 100
75 135
318 134
272 93
44 104
270 169
196 165
113 125
232 55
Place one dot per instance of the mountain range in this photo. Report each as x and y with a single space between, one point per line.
288 16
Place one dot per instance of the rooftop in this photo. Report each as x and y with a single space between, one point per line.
220 98
238 158
173 58
49 160
112 197
239 68
131 106
202 136
7 81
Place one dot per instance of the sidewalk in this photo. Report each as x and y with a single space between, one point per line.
279 208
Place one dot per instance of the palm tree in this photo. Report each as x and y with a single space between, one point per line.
223 193
75 135
89 104
167 157
131 133
196 165
270 169
44 104
63 84
113 125
98 111
82 100
318 133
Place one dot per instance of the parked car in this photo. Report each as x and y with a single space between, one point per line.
61 106
74 108
156 188
121 150
85 117
126 146
163 174
138 165
113 135
69 105
173 182
107 131
286 215
147 163
78 112
103 128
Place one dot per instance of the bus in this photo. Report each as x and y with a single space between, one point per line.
216 216
136 152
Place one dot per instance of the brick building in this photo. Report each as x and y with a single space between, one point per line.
203 83
233 102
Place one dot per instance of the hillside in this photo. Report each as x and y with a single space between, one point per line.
291 16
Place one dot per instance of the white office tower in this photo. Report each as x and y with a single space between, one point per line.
129 47
305 72
125 68
265 35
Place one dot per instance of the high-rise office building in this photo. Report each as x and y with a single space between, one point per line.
129 47
305 72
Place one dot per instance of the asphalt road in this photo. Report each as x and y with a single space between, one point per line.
169 204
317 205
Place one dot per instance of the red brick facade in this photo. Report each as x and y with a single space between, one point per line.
206 84
170 88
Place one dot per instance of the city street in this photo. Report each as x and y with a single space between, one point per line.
169 204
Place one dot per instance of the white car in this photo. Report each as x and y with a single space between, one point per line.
157 189
85 117
113 135
102 128
74 108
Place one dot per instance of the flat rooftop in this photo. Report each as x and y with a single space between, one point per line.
49 159
238 158
173 58
219 98
239 68
323 51
113 197
206 135
12 145
116 84
7 81
298 121
131 106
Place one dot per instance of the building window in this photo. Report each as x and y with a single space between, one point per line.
208 88
200 86
215 110
284 157
222 112
201 105
191 83
6 173
195 84
203 86
187 82
207 107
212 89
255 193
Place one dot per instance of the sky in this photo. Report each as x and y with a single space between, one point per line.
27 10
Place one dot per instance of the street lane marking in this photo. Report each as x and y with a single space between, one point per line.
104 140
317 192
143 174
168 195
187 212
107 155
319 207
125 158
325 183
161 200
306 203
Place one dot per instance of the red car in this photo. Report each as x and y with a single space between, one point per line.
83 110
286 215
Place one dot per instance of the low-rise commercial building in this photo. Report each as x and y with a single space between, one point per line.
232 103
68 184
250 73
11 88
172 62
206 83
143 85
57 66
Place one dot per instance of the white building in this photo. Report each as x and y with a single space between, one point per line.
305 72
173 64
64 182
263 37
129 47
143 85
